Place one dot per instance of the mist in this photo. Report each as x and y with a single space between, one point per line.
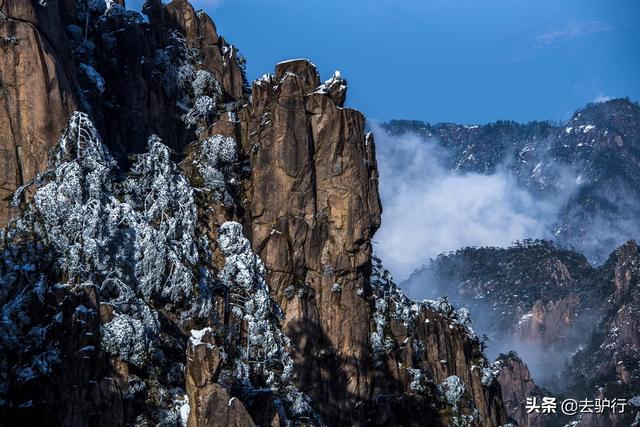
429 209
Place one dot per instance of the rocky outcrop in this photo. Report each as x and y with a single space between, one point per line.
549 323
37 91
517 385
218 57
166 91
210 404
608 364
314 208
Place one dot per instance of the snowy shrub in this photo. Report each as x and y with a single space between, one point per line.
380 343
126 16
404 310
201 112
452 389
200 92
164 225
489 375
300 402
267 347
243 274
204 84
460 317
136 239
417 380
71 205
130 338
216 162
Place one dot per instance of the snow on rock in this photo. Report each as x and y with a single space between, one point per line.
197 335
184 411
329 85
335 88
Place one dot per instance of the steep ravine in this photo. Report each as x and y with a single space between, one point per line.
195 251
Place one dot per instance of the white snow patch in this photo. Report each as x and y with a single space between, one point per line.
184 411
197 335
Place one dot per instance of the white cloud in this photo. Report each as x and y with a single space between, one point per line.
571 31
428 209
602 98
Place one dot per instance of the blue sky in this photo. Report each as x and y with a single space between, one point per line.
467 61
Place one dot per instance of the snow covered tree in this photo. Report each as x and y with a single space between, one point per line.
216 162
133 239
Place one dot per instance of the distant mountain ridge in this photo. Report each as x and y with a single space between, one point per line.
591 163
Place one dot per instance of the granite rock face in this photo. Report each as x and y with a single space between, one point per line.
314 208
38 91
517 385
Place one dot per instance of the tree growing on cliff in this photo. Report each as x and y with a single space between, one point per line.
132 238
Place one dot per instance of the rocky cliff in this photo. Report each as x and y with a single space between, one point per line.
189 250
573 323
517 385
609 362
38 91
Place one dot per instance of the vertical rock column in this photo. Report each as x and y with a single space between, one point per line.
314 207
37 92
